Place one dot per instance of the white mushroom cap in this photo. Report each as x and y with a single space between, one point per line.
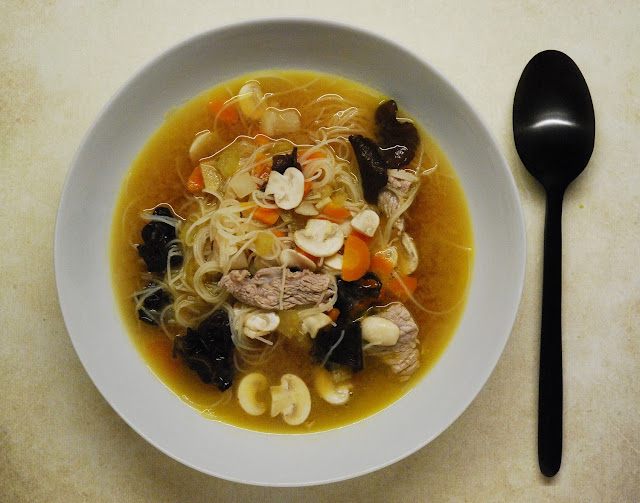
287 189
291 258
202 146
379 331
251 100
248 389
366 222
291 399
319 238
334 262
312 324
331 392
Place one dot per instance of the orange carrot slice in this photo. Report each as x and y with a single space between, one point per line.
268 216
195 182
356 258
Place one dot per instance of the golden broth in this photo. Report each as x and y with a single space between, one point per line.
438 220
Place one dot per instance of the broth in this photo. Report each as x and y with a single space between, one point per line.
438 220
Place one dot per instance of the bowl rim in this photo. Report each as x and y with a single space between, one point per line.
310 22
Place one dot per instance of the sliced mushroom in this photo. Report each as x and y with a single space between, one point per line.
319 238
251 100
248 390
291 399
287 189
307 209
409 257
331 391
202 146
314 323
366 222
379 331
291 258
261 324
334 262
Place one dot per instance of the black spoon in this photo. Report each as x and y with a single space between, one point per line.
554 132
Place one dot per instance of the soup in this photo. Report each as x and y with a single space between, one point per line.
290 253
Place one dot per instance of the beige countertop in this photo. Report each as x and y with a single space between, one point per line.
60 441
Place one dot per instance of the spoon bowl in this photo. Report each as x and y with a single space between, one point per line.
554 132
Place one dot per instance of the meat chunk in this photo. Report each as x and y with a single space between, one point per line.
389 202
264 289
400 180
404 356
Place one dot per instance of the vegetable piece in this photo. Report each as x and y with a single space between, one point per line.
336 211
403 286
287 188
227 113
242 184
248 390
383 263
211 176
398 140
289 323
340 196
203 145
209 350
307 186
379 331
283 161
293 259
279 234
373 167
267 216
333 314
195 183
314 323
228 162
291 399
264 243
341 344
366 222
251 100
356 258
277 122
331 391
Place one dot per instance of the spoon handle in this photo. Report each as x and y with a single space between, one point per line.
550 384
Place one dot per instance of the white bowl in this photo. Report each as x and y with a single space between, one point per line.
82 253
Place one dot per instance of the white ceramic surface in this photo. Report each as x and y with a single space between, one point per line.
82 243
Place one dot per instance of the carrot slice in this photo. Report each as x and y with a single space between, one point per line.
268 216
356 258
333 313
308 255
307 186
227 114
336 211
382 267
279 234
261 139
364 237
403 286
195 182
